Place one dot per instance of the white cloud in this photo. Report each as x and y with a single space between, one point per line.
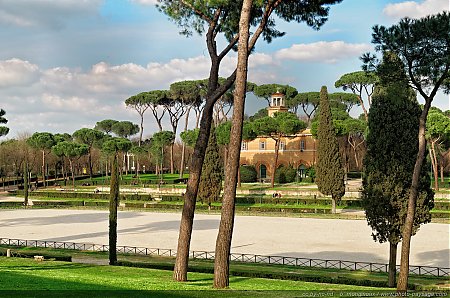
322 51
145 2
15 72
64 99
47 13
413 9
258 59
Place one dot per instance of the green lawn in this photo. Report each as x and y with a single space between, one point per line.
30 275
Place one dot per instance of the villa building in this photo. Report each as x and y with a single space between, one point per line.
298 150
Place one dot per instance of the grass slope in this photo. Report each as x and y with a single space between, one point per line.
38 278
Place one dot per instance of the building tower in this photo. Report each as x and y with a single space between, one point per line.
277 104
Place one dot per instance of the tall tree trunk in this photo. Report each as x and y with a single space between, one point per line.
392 264
90 163
43 168
224 237
225 157
171 159
366 115
73 175
239 176
333 205
25 183
441 167
187 218
275 162
402 284
183 149
142 128
213 94
113 204
434 165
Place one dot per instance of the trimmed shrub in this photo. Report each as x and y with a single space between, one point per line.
248 174
285 174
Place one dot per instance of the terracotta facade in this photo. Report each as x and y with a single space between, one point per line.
298 150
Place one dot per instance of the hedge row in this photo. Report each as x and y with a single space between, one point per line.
296 201
442 205
88 196
30 254
437 214
10 204
239 208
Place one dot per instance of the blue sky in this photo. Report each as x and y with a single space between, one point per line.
67 64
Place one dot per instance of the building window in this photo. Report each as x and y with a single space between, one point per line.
262 172
244 146
282 145
262 145
302 145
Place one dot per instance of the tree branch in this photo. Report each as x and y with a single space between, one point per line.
196 11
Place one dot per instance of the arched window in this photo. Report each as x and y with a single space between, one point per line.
301 171
262 172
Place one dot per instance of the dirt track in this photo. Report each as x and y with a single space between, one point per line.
301 237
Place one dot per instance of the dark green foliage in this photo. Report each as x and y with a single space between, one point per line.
113 145
159 142
311 173
223 131
308 101
212 173
189 137
41 140
411 40
124 129
193 17
59 137
266 91
392 147
260 114
355 81
3 129
248 174
113 204
285 174
105 125
86 136
330 172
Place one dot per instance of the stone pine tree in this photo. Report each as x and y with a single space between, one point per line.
71 150
216 18
225 234
212 173
43 141
392 145
423 45
329 171
113 204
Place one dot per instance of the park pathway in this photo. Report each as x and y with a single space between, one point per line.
337 239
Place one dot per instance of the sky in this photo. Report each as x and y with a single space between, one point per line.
67 64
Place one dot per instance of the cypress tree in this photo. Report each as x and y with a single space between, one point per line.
392 147
329 171
113 204
212 173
